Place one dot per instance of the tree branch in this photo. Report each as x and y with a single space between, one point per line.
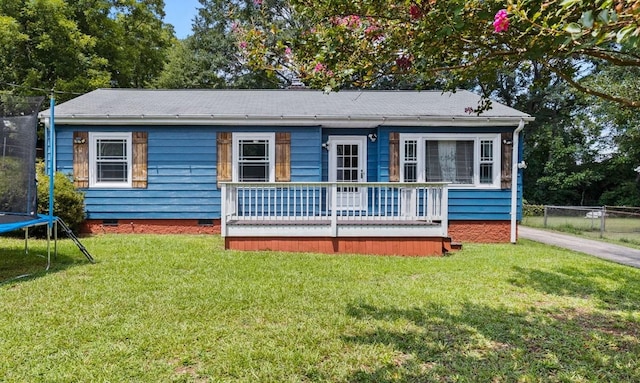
612 57
620 100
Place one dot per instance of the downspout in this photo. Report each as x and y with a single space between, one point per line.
514 181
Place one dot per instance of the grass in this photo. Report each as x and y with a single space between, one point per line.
622 231
181 309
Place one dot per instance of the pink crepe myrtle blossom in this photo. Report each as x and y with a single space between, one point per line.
287 51
350 21
354 21
501 21
319 68
371 30
257 3
243 45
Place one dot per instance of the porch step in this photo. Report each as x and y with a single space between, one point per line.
449 246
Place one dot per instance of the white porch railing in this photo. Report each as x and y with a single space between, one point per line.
377 205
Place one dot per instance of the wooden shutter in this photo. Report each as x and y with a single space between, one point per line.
224 165
394 157
81 159
283 157
140 160
507 158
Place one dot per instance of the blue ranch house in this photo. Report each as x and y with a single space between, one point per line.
381 172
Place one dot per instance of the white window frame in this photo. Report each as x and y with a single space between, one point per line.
235 153
476 138
93 163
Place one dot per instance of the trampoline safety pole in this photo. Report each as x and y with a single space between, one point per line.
51 169
51 158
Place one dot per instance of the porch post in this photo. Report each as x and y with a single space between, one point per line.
223 209
334 210
444 202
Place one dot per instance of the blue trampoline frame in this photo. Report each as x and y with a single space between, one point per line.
39 220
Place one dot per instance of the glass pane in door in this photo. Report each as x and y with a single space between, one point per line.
347 165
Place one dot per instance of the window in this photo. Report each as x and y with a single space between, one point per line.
110 160
410 161
486 162
462 160
255 157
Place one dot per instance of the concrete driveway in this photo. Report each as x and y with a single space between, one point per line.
604 250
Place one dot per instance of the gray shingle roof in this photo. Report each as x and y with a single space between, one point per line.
229 105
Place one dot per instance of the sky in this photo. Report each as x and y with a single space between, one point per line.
180 14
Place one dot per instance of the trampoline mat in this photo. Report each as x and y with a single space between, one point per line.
14 218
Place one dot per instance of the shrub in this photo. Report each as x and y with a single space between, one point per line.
532 210
12 189
68 202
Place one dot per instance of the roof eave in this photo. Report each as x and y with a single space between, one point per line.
327 121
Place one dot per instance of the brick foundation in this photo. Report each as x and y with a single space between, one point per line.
480 231
150 226
459 231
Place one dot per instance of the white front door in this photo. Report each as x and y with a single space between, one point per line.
348 163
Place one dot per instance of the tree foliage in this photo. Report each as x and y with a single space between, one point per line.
212 56
75 46
449 42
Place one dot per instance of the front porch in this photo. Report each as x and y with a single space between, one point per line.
336 217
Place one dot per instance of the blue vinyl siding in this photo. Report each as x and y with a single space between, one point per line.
181 171
182 177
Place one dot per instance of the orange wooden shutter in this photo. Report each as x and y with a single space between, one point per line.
283 157
81 159
507 158
140 160
394 157
224 166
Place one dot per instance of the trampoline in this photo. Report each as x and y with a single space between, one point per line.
16 222
18 184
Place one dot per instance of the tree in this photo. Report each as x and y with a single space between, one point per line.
451 42
181 70
135 40
76 46
212 56
621 131
580 149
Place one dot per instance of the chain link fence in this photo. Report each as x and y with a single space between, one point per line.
620 223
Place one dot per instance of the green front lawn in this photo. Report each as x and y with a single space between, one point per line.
179 308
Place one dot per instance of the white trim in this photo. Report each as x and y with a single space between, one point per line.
421 138
362 156
341 230
235 153
357 200
93 137
326 121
